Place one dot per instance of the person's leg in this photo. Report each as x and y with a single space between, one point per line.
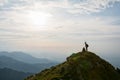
86 48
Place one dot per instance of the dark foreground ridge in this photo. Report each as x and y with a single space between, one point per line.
10 74
79 66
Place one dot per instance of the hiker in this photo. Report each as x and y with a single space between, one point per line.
83 50
86 46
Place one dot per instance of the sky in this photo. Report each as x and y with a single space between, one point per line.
55 29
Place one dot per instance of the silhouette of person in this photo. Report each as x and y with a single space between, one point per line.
86 46
83 50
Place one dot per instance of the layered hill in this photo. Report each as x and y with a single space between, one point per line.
79 66
9 74
8 62
25 57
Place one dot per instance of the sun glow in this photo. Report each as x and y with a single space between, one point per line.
38 20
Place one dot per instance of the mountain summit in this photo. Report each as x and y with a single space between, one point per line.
79 66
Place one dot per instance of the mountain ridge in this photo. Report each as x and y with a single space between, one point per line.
24 57
11 63
10 74
79 66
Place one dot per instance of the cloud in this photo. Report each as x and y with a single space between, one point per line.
65 28
91 6
78 7
16 17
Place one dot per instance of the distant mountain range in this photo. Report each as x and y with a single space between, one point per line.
18 65
21 66
9 74
15 61
24 57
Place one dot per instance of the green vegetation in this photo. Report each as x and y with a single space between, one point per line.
79 66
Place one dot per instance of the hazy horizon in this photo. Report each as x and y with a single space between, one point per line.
54 29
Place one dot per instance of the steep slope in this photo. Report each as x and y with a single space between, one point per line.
79 66
9 74
24 57
21 66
